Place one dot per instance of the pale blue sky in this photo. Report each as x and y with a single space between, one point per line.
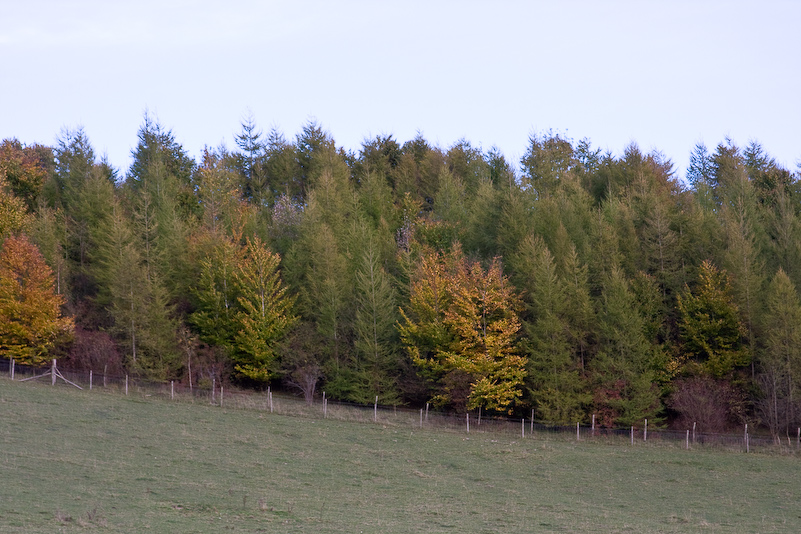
663 74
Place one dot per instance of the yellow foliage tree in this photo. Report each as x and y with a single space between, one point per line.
30 310
463 321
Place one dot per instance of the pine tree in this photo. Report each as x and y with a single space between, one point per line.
624 368
780 360
265 312
555 381
710 325
374 327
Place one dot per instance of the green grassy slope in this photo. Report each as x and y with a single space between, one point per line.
80 461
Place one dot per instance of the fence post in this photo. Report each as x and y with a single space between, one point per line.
105 369
12 368
126 385
90 380
221 395
375 410
532 422
53 373
645 431
693 432
468 422
523 427
426 412
421 418
213 389
687 442
172 390
578 431
632 435
593 424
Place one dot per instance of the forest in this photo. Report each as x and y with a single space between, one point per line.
572 282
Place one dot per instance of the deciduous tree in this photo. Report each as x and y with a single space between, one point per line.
30 310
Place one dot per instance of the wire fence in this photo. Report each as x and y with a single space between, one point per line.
283 403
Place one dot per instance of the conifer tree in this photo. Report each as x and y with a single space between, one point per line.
780 360
710 325
265 312
556 384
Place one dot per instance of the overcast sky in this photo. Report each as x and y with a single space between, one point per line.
665 75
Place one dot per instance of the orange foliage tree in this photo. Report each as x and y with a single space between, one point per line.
30 310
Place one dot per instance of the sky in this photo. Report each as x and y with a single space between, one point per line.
663 75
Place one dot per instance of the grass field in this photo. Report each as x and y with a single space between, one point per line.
80 461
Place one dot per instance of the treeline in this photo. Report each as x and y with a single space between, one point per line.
574 283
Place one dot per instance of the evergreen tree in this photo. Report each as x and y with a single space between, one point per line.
374 327
710 325
780 361
624 368
555 380
265 312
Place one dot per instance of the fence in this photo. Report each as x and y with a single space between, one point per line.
399 416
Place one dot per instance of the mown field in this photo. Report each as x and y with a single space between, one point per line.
81 461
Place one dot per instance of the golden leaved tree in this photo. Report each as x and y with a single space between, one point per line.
462 329
30 310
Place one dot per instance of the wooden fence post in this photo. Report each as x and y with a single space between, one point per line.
53 373
221 395
421 418
523 427
172 389
578 431
632 435
12 368
375 410
468 422
645 431
693 432
687 442
90 380
126 385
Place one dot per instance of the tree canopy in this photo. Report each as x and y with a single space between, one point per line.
571 282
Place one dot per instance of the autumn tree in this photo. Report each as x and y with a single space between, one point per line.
31 324
463 327
25 169
14 216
